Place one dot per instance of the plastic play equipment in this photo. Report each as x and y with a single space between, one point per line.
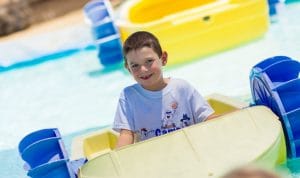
105 33
272 6
99 142
192 29
275 83
203 150
94 144
209 148
45 156
206 149
187 30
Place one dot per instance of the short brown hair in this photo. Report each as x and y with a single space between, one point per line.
139 40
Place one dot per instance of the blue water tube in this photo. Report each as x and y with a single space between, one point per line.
104 31
275 83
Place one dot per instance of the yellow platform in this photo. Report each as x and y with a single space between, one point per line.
208 149
192 29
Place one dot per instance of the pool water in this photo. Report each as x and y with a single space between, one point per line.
76 94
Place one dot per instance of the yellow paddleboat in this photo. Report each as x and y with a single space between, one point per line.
191 29
208 149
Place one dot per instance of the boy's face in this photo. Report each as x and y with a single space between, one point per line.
146 67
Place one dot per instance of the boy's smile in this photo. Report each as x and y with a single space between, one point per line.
146 77
146 68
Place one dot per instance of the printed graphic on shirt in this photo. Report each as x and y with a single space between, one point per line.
172 120
168 120
185 121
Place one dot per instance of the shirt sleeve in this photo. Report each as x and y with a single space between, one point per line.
201 107
123 117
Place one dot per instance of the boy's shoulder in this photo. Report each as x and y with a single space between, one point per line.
130 88
181 83
127 92
179 80
182 86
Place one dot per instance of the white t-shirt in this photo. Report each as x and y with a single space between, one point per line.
153 113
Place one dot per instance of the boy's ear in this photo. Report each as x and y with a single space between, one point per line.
164 58
126 66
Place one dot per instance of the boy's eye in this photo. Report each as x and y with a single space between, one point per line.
134 65
149 61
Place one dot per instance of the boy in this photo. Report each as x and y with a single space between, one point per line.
154 105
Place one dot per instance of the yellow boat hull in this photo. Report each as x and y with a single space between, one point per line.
96 143
191 29
208 149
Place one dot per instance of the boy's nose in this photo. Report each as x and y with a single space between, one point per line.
144 68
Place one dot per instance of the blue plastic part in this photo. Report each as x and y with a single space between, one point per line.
104 32
110 51
273 1
272 6
272 9
104 29
92 4
97 14
75 165
275 83
56 169
44 151
45 155
37 136
267 62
